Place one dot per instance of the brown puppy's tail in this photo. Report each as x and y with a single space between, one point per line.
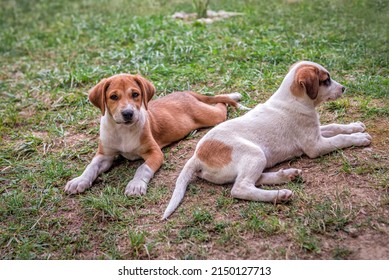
230 99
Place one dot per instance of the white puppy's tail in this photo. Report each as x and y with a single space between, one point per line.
181 185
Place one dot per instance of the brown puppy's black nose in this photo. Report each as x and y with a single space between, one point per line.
127 114
343 89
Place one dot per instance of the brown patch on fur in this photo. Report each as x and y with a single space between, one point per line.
215 153
306 79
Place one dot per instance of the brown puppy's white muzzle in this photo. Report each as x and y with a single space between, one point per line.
127 115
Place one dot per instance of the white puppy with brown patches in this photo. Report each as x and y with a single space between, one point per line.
285 126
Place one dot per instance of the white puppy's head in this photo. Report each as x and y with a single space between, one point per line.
311 80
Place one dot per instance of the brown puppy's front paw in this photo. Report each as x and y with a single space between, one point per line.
77 185
136 187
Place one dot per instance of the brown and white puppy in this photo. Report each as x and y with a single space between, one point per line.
286 126
135 127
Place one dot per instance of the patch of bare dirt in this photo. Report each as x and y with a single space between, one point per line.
73 215
369 245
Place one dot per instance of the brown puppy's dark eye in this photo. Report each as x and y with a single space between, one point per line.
114 97
135 95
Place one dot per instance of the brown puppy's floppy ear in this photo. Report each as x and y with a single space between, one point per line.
146 87
97 94
306 78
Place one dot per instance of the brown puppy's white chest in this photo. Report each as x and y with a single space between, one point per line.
120 138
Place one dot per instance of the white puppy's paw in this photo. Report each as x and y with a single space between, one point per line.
136 187
283 195
291 173
358 127
361 139
77 185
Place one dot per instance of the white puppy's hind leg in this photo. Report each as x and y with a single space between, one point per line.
250 192
280 177
244 186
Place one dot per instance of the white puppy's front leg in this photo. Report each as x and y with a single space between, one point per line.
138 185
331 130
100 163
327 145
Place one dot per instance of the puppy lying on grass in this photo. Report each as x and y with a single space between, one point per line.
286 126
135 127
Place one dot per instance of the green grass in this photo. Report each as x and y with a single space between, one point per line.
53 52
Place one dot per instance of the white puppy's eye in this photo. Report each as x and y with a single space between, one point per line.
326 82
114 97
135 95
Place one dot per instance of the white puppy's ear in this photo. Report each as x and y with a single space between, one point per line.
146 87
306 79
97 94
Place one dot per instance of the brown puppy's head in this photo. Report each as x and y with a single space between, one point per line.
122 96
314 80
